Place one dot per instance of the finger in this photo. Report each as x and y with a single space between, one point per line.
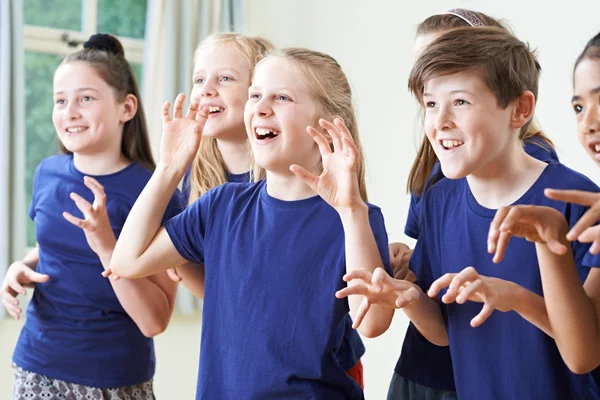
407 297
595 247
16 286
336 137
193 109
483 315
74 220
98 191
360 273
588 219
439 284
310 179
343 129
361 313
494 231
14 311
556 247
361 289
172 273
379 277
82 204
10 298
165 112
468 290
501 246
320 140
35 276
589 234
178 106
573 196
351 151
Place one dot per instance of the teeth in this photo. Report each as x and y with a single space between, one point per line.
452 143
75 130
214 109
265 132
597 147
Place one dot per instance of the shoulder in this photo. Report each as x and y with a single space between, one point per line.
559 176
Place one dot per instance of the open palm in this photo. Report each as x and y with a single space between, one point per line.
181 135
338 183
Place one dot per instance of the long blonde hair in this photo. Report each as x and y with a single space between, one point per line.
209 169
330 88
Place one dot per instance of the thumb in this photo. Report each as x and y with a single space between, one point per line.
34 276
308 178
172 273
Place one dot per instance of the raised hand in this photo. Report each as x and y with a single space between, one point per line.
586 229
535 223
494 293
338 183
181 135
399 259
378 288
95 225
17 278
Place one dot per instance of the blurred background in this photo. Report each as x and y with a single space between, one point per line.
371 40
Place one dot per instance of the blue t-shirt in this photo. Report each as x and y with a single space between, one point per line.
76 330
348 345
507 357
272 270
420 360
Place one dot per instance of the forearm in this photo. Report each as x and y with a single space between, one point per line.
142 225
532 307
32 258
192 277
362 253
426 315
570 311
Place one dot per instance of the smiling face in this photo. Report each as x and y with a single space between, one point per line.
221 79
87 116
279 108
464 124
586 103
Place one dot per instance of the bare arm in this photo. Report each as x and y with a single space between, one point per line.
191 276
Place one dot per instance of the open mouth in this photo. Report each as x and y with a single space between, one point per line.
451 144
76 129
213 110
265 133
595 147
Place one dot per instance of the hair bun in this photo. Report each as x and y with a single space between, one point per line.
105 42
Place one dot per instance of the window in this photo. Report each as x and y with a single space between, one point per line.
53 29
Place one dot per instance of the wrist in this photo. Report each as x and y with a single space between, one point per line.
168 172
354 213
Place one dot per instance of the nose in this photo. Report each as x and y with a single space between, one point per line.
209 89
263 108
590 123
71 111
444 120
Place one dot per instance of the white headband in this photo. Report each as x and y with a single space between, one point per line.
468 16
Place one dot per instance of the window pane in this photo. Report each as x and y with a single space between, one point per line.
41 139
137 71
62 14
122 17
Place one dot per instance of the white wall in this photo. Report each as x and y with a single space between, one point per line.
372 40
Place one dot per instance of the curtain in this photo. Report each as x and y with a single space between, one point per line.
174 28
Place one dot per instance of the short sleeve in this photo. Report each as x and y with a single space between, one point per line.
34 191
187 229
411 228
174 207
378 227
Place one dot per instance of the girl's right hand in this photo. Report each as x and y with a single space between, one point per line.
181 135
18 276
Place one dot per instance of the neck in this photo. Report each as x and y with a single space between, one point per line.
100 163
505 179
287 187
236 155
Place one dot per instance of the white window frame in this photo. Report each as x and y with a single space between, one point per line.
50 41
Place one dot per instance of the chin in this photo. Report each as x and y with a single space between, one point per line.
452 172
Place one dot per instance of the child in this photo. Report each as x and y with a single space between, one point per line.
479 88
273 250
222 70
87 337
572 308
423 369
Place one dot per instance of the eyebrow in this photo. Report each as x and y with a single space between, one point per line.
595 90
235 71
425 94
79 90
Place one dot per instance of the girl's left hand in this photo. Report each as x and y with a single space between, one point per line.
338 183
494 293
95 225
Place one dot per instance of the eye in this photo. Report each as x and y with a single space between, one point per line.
460 102
282 97
198 81
86 98
254 96
430 104
226 78
577 108
59 101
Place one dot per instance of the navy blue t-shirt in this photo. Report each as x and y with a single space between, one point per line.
348 345
76 330
272 270
507 357
420 360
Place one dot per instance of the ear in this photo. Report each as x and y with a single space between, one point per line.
130 106
523 111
